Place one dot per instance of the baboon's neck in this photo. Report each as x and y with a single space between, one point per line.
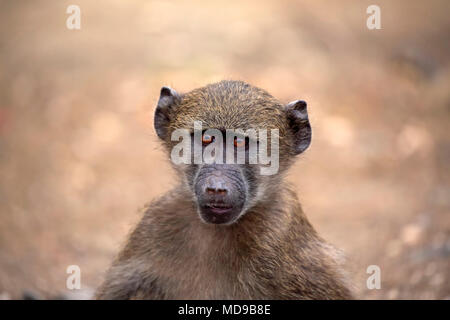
266 222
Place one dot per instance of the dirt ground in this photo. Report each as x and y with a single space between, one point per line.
79 157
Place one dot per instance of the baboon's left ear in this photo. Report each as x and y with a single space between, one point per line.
168 99
297 116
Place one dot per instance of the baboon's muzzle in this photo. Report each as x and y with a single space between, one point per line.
220 192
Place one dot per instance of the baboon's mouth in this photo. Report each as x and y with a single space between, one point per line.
219 208
219 212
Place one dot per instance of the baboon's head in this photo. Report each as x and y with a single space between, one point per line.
230 143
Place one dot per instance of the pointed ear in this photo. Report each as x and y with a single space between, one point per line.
167 102
298 121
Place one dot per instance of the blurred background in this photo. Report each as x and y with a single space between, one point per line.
79 156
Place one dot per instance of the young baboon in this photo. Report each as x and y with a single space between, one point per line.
226 231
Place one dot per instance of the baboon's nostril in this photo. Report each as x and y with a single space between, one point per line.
218 191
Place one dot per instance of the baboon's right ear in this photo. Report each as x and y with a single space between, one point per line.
168 99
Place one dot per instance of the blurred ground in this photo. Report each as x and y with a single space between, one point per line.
78 154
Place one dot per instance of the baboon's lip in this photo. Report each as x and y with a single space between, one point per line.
219 208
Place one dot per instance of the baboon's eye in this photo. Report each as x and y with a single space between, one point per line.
239 142
207 139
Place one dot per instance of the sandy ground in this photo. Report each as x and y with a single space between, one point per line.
78 154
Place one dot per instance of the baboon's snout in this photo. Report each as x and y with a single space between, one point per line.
220 192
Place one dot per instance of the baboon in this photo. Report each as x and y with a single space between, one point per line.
226 231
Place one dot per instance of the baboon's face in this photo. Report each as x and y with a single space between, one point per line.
231 176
